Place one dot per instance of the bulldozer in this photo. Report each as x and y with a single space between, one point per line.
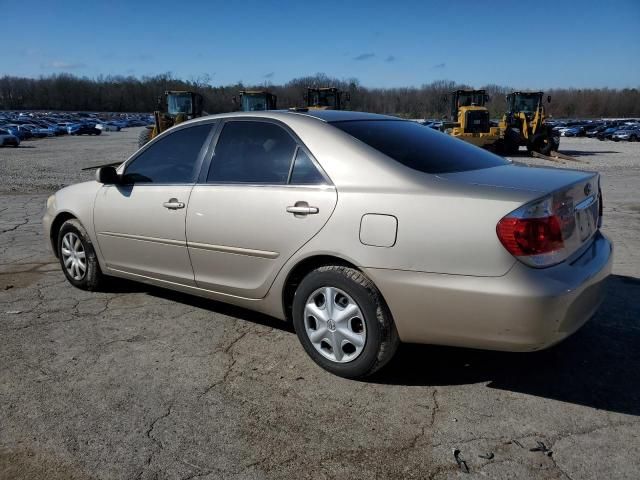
256 100
524 124
469 118
174 107
326 98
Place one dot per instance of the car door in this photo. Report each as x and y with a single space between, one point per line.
140 222
261 199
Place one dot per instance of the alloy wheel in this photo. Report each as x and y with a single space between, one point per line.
74 256
334 324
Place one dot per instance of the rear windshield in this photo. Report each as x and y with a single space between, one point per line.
420 147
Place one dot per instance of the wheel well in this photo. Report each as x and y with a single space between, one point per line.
55 229
300 271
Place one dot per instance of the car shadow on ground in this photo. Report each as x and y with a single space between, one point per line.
598 367
586 153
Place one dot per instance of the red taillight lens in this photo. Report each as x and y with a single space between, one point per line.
530 236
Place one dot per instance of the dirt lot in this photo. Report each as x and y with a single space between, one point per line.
144 383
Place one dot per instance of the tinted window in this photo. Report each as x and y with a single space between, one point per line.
419 147
304 171
171 159
252 152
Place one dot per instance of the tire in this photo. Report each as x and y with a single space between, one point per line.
90 277
633 138
544 145
370 322
144 136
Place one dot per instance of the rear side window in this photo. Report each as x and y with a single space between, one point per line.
172 159
420 147
252 152
304 171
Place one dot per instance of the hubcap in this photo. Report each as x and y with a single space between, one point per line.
335 325
74 256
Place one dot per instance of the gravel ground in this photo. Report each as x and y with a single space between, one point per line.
138 382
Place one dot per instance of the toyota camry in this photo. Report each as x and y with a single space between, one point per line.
363 230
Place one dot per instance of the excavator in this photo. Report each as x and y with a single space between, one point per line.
326 98
174 107
256 100
469 119
524 124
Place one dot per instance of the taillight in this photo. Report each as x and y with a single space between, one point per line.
534 233
530 236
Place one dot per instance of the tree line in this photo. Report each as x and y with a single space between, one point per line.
66 92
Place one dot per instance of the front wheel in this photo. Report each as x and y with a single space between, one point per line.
343 322
77 256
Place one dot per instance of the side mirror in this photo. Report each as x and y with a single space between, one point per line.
107 176
548 98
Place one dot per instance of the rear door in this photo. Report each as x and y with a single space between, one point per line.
262 198
140 223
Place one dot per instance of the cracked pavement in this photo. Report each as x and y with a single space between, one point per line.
143 383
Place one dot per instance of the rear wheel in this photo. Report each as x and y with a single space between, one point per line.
343 322
144 136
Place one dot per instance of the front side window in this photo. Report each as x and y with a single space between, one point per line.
420 148
172 159
252 152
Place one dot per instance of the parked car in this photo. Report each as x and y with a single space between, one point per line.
18 130
593 133
630 133
108 126
608 133
83 129
37 132
7 139
364 230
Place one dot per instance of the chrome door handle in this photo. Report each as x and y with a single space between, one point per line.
173 204
302 208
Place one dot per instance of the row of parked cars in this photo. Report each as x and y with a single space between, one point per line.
17 127
616 130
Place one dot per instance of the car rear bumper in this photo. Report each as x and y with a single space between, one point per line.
526 309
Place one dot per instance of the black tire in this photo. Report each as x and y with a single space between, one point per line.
92 278
144 136
381 334
543 145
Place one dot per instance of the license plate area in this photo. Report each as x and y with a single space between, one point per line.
587 217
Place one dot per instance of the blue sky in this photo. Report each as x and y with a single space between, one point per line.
403 43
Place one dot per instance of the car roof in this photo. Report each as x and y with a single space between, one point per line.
328 116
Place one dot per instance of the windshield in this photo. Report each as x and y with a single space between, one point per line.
466 99
179 103
419 147
253 103
521 103
322 98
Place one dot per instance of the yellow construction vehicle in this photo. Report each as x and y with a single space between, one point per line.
326 98
524 124
469 119
174 107
256 100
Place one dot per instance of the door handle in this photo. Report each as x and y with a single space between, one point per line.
302 208
173 204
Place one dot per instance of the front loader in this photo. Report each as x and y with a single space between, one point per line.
174 107
256 100
524 124
469 119
326 98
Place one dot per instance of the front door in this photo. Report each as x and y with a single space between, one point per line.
140 223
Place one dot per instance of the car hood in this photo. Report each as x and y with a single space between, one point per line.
519 177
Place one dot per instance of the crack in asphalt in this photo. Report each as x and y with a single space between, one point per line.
14 228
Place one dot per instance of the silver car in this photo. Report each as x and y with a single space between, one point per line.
363 230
